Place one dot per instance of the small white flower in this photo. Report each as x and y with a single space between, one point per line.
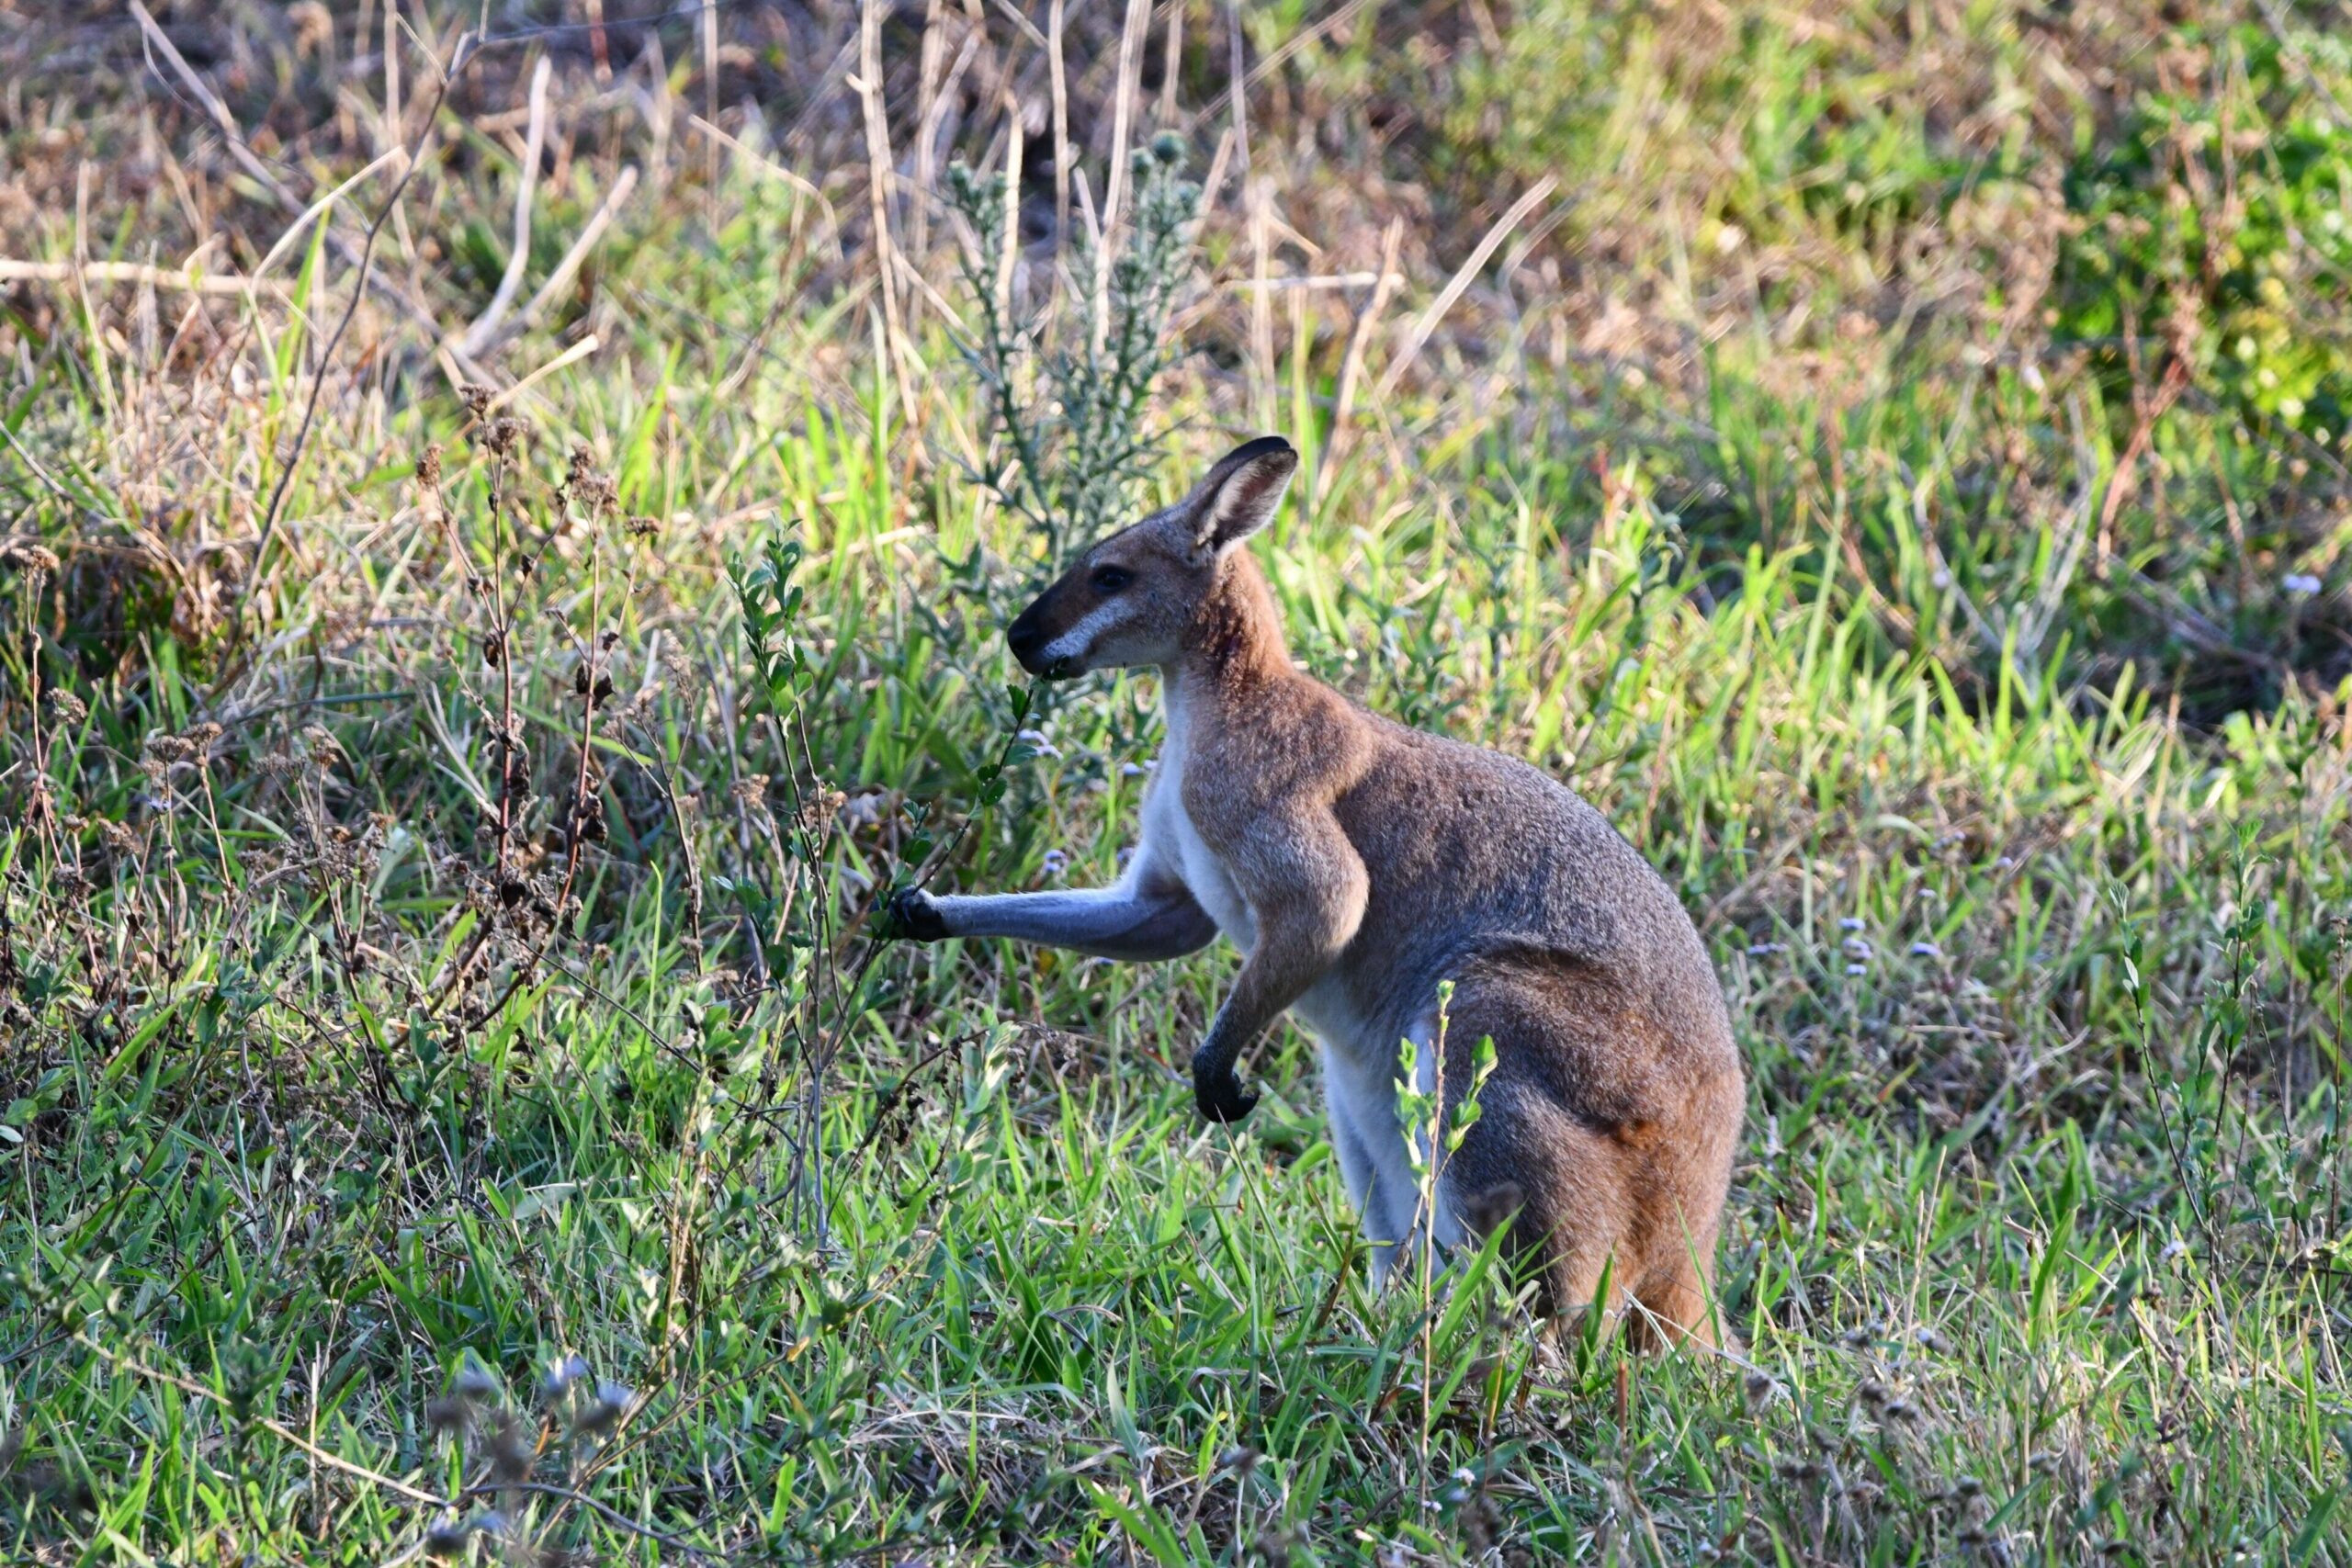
1131 770
1056 862
1036 737
2173 1249
1926 949
1766 949
1856 947
1858 968
2300 583
1850 923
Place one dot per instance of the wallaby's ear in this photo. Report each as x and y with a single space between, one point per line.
1241 492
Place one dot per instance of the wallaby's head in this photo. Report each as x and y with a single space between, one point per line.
1129 598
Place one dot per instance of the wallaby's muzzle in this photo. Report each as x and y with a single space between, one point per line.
1026 638
1032 633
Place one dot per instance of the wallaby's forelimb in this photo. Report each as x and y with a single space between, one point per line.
1312 901
1149 920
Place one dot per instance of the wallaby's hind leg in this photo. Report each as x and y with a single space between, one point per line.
1688 1179
1629 1204
1677 1302
1567 1186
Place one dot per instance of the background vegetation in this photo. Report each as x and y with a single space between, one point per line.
508 510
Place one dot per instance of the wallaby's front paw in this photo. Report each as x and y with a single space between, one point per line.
914 917
1217 1088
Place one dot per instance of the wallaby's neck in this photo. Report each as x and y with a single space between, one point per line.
1234 647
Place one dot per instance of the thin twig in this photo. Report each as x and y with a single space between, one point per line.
155 40
483 333
1351 361
1059 74
764 164
1492 241
186 280
458 59
868 82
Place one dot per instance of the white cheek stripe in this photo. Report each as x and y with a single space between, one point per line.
1074 642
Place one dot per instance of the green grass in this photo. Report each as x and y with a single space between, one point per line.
2020 824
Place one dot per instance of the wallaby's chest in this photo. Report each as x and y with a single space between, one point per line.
1170 834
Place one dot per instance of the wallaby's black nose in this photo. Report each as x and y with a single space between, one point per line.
1024 637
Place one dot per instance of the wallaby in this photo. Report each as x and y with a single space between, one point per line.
1357 864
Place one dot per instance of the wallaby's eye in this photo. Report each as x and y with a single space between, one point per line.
1110 579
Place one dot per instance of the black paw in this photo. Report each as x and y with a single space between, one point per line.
1217 1088
912 917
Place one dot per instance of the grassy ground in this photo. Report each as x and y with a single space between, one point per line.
450 1102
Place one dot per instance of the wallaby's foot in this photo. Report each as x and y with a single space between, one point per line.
912 917
1217 1091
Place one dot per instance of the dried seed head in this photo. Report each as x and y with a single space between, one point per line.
512 1451
447 1538
604 1412
562 1375
473 1384
428 466
589 487
38 560
443 1417
66 706
507 433
476 398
